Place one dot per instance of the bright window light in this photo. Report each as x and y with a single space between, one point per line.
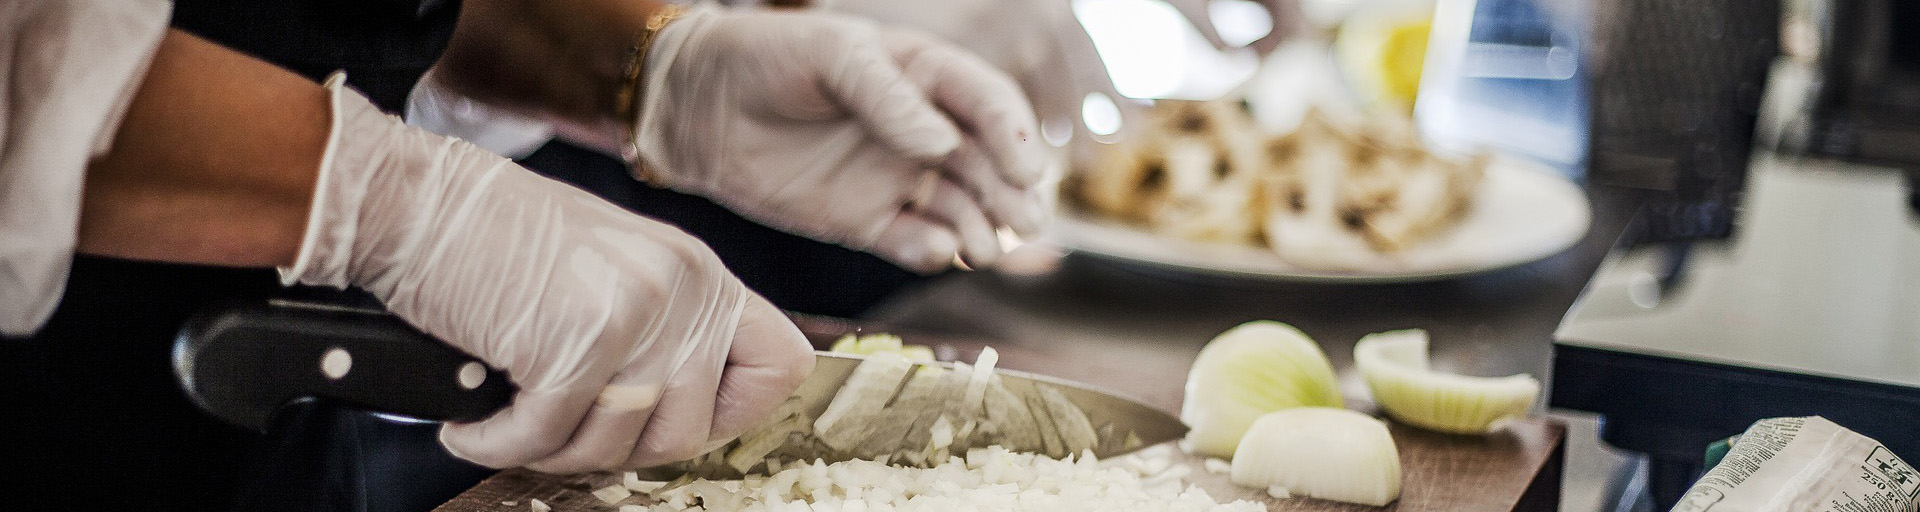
1240 22
1141 41
1101 114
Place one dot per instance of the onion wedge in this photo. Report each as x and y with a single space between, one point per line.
1320 452
1394 365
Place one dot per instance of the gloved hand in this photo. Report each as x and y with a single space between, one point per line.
1043 46
631 344
826 126
1039 43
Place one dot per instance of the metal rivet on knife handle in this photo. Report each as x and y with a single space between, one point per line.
472 375
335 363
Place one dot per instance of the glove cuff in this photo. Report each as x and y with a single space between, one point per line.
377 192
655 117
324 249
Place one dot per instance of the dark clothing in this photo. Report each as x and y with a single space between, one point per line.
95 420
384 45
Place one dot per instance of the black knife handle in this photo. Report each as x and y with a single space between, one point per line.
244 362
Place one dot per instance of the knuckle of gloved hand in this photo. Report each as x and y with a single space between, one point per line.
799 365
694 255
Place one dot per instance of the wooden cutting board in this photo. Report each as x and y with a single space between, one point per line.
1515 469
1518 469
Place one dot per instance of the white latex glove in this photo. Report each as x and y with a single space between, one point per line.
826 126
630 342
1038 42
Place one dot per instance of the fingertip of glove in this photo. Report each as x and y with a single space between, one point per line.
930 255
455 439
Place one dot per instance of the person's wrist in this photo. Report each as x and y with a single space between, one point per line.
657 98
628 96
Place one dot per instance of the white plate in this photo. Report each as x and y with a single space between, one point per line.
1525 212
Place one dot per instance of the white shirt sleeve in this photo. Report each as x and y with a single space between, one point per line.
68 70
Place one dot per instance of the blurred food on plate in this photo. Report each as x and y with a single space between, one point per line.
1194 172
1327 195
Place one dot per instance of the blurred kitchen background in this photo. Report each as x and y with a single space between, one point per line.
1748 165
1670 114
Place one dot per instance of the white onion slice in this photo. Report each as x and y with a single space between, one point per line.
1394 365
1320 452
612 494
1250 370
864 394
881 343
632 482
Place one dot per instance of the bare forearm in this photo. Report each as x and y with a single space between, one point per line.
214 162
560 58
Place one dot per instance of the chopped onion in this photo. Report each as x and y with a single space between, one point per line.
1320 452
872 384
1250 370
881 343
982 374
632 482
968 410
892 410
941 436
1394 365
612 494
989 478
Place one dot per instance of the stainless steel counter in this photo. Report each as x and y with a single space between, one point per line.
1822 279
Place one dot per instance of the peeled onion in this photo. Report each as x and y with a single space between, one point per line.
1250 370
1394 365
1320 452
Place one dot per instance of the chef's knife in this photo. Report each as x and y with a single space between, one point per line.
1121 425
243 363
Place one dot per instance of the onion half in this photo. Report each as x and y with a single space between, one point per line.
1250 370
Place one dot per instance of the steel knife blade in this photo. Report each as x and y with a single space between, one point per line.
1121 424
